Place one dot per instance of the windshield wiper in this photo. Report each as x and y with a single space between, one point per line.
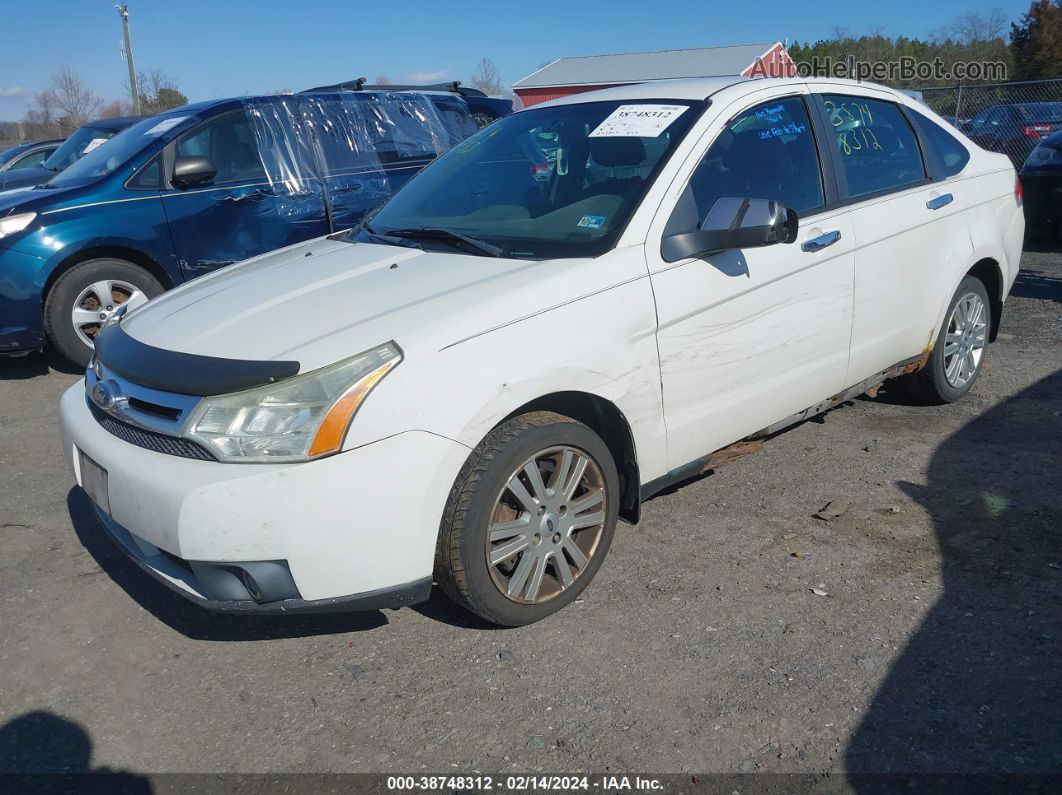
456 239
365 228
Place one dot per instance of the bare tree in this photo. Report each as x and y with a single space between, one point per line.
973 28
74 102
40 121
115 109
383 80
486 77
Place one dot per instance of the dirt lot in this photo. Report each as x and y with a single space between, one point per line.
932 639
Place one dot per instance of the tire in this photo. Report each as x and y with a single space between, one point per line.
481 505
934 383
75 290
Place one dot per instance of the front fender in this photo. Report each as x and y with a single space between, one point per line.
603 345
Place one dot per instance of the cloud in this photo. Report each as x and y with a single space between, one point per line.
424 76
11 92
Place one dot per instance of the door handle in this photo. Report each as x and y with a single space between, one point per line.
942 200
821 242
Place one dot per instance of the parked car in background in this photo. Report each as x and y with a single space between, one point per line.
1041 177
81 142
476 382
200 187
1014 129
484 109
27 155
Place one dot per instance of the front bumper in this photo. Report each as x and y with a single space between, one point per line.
355 530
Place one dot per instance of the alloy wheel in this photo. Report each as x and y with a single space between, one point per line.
964 341
546 524
99 301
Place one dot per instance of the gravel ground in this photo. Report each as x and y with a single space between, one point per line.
730 631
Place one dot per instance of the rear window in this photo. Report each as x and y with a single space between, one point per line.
951 154
1040 111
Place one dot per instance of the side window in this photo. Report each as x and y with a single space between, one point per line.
953 156
878 148
768 152
32 160
230 144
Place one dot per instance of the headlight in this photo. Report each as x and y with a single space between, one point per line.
1044 156
15 223
302 418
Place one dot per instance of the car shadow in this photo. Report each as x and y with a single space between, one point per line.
34 365
444 610
187 618
978 687
42 752
1031 283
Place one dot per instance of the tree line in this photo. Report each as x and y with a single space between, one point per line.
1031 49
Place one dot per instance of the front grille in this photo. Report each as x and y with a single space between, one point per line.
150 440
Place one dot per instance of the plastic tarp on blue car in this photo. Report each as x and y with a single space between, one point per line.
352 150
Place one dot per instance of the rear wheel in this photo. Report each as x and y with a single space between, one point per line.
529 520
82 299
958 354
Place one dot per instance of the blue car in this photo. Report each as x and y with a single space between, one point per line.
197 188
84 140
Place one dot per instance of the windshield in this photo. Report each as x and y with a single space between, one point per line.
543 183
83 141
105 160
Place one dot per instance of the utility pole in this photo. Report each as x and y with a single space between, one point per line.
123 12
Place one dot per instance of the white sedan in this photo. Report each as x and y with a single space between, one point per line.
561 316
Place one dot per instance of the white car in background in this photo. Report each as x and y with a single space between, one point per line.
507 357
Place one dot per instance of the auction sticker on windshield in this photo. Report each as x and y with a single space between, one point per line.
641 121
165 125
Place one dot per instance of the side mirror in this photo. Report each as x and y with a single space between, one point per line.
189 171
734 223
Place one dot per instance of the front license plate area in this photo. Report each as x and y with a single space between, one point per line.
94 482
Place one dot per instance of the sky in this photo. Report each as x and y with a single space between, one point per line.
233 47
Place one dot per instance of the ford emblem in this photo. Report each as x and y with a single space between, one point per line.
106 395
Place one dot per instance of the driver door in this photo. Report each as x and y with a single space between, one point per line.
752 336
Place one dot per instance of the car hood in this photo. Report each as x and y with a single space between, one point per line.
321 301
24 177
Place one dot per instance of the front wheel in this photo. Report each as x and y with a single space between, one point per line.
82 299
529 520
958 353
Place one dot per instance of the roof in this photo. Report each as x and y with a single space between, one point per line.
636 67
687 88
117 123
705 87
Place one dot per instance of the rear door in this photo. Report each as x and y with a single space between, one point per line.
241 212
909 228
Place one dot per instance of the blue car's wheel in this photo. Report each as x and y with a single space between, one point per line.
82 299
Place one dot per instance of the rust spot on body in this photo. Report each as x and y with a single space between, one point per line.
731 452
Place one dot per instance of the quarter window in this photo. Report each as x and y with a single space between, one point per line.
767 152
878 149
953 156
